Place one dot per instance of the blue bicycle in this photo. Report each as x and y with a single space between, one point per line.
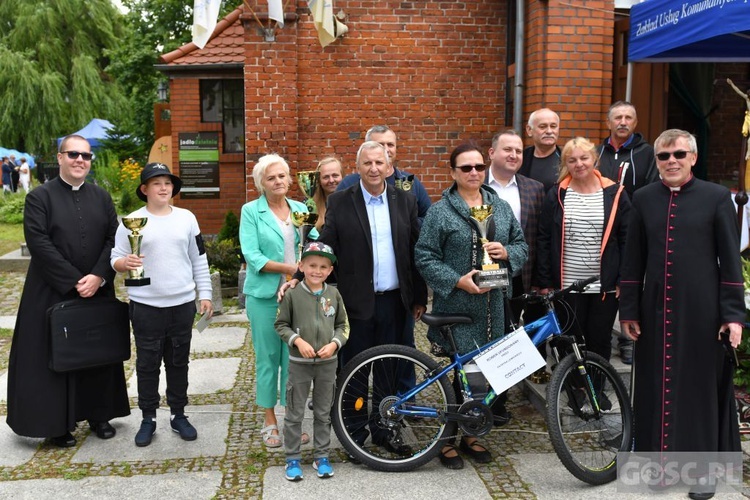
392 427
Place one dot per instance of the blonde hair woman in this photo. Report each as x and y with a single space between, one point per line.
330 174
582 233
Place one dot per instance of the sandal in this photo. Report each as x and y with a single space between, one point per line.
454 462
304 438
476 451
269 439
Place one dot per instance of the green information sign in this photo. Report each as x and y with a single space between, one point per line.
199 165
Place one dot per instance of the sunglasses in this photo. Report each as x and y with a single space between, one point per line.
678 155
468 168
75 154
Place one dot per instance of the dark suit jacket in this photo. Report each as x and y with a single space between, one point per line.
347 230
531 193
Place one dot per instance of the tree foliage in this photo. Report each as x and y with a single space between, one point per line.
154 27
52 69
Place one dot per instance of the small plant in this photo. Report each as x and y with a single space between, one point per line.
222 257
230 230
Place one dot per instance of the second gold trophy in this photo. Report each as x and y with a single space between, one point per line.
305 221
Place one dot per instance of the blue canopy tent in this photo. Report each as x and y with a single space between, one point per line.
689 31
95 130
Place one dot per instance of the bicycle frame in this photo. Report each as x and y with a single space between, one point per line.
540 331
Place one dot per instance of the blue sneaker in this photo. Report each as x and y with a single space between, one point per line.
293 470
323 467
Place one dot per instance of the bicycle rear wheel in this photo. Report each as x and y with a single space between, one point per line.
587 441
367 389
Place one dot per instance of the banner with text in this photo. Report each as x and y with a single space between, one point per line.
690 31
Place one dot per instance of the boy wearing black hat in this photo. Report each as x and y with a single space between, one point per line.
313 322
162 313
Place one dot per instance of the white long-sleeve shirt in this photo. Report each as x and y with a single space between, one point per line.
171 259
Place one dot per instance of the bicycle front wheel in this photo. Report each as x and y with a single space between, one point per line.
364 416
586 440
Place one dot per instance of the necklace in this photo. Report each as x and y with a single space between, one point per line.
282 213
284 220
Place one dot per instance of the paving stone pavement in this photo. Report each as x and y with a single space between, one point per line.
229 461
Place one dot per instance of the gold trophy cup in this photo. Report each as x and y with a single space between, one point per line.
135 224
308 184
491 275
305 221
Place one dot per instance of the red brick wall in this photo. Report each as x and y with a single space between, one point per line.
434 71
569 64
186 117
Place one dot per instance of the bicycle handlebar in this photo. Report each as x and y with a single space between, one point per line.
578 286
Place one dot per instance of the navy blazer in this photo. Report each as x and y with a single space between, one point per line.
347 230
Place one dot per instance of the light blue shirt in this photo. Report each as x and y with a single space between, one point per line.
384 274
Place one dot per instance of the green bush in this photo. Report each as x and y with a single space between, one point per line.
230 230
129 202
222 257
11 207
107 171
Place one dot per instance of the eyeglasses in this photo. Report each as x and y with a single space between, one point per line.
678 155
75 154
468 168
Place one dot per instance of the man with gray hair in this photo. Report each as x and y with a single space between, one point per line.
372 228
541 161
682 303
626 157
401 179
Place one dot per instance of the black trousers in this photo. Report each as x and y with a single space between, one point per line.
386 326
594 317
162 333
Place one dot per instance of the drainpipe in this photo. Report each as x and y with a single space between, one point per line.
629 83
518 90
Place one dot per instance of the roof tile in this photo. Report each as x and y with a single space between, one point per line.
224 46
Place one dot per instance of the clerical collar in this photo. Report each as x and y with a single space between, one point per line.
74 188
679 188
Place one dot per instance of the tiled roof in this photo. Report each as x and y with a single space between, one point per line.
224 46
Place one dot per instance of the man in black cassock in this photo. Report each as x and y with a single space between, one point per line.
681 286
69 227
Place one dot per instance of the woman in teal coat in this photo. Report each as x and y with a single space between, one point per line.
443 257
270 245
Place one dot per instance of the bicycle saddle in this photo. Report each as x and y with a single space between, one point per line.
439 320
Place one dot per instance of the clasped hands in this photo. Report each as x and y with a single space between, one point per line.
307 351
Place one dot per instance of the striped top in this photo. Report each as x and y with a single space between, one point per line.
584 224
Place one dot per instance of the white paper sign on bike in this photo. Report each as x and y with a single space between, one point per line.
509 361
